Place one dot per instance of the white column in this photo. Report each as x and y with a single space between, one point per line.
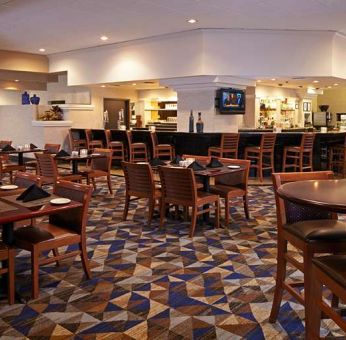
198 94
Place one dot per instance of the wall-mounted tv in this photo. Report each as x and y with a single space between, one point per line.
231 101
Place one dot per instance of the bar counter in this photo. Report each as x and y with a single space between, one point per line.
198 143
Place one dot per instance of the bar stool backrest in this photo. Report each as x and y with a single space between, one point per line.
129 137
108 134
307 141
88 136
230 141
154 139
104 163
268 141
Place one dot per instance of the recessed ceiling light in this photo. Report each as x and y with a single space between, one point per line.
316 81
42 50
134 84
259 81
103 85
192 21
329 87
273 79
336 84
104 38
16 80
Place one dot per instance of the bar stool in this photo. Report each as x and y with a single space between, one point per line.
337 159
301 155
137 151
262 155
92 143
229 146
161 150
116 146
76 143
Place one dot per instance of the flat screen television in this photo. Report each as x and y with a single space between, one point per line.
231 101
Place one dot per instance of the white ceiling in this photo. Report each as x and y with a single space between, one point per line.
63 25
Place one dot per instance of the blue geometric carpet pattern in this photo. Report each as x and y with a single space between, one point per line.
158 284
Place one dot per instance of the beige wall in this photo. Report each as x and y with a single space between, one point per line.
18 61
335 98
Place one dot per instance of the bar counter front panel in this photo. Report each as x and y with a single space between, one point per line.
198 143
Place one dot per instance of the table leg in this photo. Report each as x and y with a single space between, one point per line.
20 158
206 188
75 166
7 233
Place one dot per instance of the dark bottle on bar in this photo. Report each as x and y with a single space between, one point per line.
199 124
191 122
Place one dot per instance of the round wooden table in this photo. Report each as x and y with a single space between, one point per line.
324 194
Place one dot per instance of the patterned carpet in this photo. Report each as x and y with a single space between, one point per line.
160 284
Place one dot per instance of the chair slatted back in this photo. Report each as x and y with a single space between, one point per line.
203 159
268 141
178 185
104 163
77 218
154 139
25 179
52 148
46 167
240 178
139 179
230 141
4 143
88 136
307 141
108 134
288 212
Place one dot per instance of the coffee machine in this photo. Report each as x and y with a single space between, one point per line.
323 118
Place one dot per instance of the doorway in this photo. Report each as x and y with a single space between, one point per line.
114 107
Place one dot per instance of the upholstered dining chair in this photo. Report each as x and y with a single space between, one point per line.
100 167
62 229
26 179
311 231
233 185
179 187
48 171
139 181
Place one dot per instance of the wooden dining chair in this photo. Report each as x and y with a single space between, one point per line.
7 255
233 185
179 187
91 142
311 231
9 168
26 179
76 143
117 147
138 152
301 156
161 150
228 147
199 158
139 182
100 167
62 230
262 156
327 272
48 171
48 148
3 143
337 158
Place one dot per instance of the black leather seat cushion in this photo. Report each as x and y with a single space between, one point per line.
318 230
334 266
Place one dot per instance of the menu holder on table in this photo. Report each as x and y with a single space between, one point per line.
33 192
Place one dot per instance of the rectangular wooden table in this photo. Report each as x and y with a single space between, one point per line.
76 159
20 153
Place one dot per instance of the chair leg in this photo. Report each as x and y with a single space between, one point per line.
94 183
193 221
126 207
246 207
260 167
312 330
301 161
109 184
217 214
280 278
34 273
162 214
226 211
151 211
308 298
284 161
85 260
10 276
56 253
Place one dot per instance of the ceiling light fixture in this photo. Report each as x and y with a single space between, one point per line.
336 84
134 84
259 81
192 21
316 81
273 79
329 87
42 50
103 85
104 38
16 80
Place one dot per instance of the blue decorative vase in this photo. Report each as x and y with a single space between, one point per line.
35 100
25 98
